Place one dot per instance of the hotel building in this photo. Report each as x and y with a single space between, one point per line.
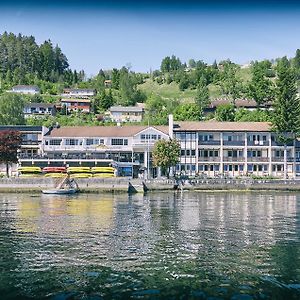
207 148
233 149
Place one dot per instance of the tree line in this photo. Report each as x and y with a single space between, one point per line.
23 61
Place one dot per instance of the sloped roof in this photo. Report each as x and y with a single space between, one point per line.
76 100
126 109
26 87
238 102
101 131
45 105
79 90
222 126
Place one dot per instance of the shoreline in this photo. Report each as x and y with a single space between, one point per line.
129 185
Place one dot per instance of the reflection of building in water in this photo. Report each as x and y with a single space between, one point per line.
239 218
132 238
58 215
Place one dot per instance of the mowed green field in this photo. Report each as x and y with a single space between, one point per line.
171 91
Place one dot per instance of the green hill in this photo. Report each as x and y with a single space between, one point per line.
171 91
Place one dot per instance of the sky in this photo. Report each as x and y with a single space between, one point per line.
108 34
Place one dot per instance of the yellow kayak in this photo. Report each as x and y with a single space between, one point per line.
30 175
81 175
103 169
55 175
103 175
79 170
29 169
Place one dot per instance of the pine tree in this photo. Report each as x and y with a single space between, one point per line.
296 63
286 121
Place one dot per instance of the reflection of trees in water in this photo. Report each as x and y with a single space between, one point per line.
165 244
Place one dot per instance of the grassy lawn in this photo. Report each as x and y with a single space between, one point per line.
244 74
168 91
171 91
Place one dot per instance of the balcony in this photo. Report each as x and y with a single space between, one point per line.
82 148
29 142
257 159
281 159
258 143
210 143
77 157
233 159
234 143
211 159
274 143
143 143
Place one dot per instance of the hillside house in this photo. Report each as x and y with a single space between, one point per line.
78 93
126 113
107 83
76 104
248 104
39 109
25 89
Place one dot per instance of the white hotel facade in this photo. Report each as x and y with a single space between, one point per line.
233 149
207 148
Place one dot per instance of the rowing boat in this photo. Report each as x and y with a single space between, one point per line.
60 191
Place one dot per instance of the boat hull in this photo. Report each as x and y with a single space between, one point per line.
60 191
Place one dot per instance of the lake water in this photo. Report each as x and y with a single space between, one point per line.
158 246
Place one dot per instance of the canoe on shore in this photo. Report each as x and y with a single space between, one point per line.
60 191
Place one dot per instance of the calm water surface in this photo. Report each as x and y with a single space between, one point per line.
158 246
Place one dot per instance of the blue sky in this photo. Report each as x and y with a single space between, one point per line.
98 34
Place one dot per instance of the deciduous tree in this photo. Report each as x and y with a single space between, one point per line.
225 113
10 142
11 109
166 154
260 87
188 112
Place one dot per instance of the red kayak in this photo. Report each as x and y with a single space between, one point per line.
54 170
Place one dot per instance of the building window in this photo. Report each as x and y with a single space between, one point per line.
72 142
92 142
119 142
54 142
206 137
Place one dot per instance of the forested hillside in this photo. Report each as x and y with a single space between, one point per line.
184 89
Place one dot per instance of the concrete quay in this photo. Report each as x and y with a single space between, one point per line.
125 185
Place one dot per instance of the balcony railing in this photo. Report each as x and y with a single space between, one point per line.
87 147
281 159
274 143
28 142
234 143
258 159
212 142
258 143
213 158
230 158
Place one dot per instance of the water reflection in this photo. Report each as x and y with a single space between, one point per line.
226 245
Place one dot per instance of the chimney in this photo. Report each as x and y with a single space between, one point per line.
171 125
